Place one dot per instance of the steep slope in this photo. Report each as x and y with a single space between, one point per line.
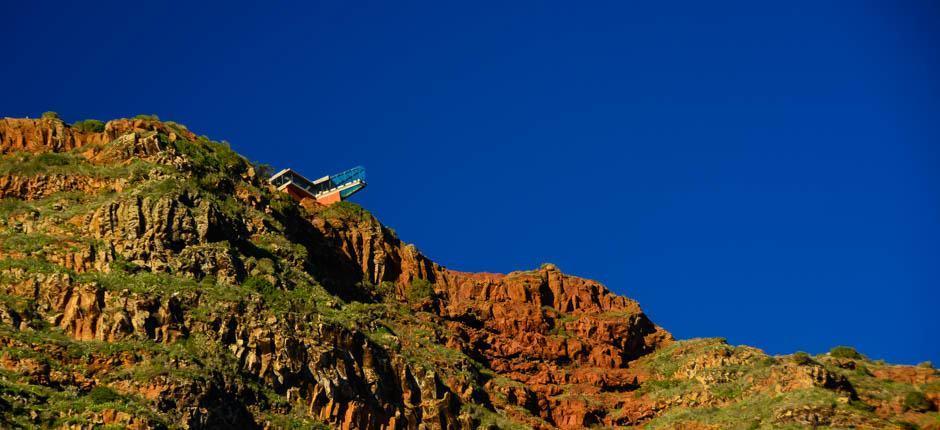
151 279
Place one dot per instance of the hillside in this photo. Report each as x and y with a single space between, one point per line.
150 278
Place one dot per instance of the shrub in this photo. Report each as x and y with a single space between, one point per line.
347 211
916 401
89 125
101 394
208 156
419 290
385 289
284 205
484 418
862 370
50 115
266 266
150 117
925 364
260 285
264 170
845 352
802 358
123 266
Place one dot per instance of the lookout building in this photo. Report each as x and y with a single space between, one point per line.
326 190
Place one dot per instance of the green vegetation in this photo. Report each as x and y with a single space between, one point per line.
73 164
263 170
801 358
261 240
40 406
261 285
211 156
845 352
89 126
150 117
29 164
916 401
10 206
420 289
50 115
26 243
294 420
560 323
751 412
101 394
487 419
347 211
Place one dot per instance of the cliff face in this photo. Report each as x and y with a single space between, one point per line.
150 279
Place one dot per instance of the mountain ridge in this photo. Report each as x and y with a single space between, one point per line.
192 288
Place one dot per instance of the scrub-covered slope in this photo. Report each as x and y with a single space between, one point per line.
150 278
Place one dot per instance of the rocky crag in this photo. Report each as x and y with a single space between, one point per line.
149 278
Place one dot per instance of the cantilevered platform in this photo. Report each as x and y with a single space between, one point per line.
326 190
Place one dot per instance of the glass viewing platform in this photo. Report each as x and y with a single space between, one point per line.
326 190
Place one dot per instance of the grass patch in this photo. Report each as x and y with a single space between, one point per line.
752 412
27 243
89 126
11 206
916 401
101 394
484 418
347 211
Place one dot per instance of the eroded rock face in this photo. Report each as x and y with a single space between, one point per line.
533 327
53 135
43 135
207 263
39 186
145 229
341 376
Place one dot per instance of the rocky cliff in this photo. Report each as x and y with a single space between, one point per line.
150 278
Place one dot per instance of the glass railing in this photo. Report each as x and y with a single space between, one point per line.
356 175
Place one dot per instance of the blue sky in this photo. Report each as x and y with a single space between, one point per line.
765 173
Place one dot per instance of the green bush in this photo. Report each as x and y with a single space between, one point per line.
150 117
50 115
89 125
925 364
419 290
802 358
211 157
347 211
845 352
260 285
385 289
263 170
917 402
101 394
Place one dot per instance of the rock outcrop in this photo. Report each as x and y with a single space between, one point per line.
150 278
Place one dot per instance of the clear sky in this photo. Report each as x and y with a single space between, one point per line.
763 173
